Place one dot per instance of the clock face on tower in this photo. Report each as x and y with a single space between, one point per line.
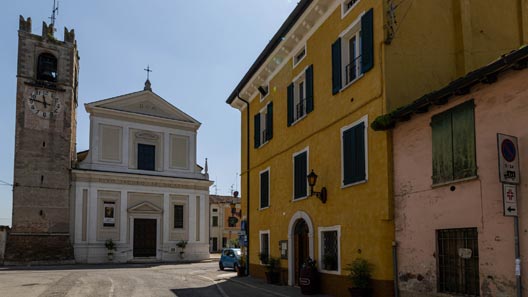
44 103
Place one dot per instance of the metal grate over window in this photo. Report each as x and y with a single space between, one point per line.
330 255
458 264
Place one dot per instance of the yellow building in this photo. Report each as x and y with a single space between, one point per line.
307 103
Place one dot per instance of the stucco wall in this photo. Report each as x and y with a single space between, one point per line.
421 209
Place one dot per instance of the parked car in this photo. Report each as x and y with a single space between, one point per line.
230 258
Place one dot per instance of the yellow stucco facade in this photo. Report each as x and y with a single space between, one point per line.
432 43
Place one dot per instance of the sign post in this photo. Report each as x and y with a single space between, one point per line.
509 175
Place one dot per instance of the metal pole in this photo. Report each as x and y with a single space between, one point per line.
395 267
517 256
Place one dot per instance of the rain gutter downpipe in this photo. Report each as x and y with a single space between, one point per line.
247 178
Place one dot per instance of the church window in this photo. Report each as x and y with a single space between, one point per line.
178 216
47 67
146 156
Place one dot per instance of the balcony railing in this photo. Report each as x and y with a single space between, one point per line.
264 137
353 70
300 109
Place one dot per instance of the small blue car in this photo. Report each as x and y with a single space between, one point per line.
230 258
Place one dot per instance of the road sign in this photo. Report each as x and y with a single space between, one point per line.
508 159
509 196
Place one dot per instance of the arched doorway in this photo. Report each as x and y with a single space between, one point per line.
300 244
301 247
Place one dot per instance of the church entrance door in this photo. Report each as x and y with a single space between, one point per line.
144 237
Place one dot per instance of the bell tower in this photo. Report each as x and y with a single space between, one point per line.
46 101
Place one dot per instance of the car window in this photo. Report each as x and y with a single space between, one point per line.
238 252
226 253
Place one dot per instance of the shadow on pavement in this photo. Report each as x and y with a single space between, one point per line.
209 291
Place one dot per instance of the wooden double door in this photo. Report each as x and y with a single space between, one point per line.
145 231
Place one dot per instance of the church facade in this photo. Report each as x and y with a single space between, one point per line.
136 195
139 184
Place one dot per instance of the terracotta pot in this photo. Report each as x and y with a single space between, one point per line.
360 292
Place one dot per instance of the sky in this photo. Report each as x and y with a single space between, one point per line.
198 50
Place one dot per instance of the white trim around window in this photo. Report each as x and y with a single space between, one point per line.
307 150
262 98
363 119
296 60
320 231
269 188
262 232
344 10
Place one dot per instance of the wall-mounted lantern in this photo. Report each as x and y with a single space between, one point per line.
312 180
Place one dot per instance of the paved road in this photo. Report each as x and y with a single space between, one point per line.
193 280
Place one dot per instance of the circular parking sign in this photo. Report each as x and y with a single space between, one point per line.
508 150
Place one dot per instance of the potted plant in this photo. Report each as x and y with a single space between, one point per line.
110 248
359 274
263 257
309 278
330 261
273 270
182 244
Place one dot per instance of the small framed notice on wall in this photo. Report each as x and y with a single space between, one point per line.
283 246
109 214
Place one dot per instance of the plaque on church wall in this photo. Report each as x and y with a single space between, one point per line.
109 214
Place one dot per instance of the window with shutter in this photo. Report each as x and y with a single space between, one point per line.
178 216
264 189
353 52
354 147
263 125
453 140
300 185
300 96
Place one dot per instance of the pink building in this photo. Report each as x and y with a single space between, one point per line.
452 234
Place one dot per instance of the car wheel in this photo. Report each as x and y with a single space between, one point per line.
221 266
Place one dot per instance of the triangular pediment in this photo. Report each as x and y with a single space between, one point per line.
145 207
144 103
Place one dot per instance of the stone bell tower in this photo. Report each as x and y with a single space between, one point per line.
46 101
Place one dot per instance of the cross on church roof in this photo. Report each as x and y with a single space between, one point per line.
148 70
147 82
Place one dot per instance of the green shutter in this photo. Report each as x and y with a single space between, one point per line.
264 189
269 121
303 175
359 167
348 155
463 121
309 89
442 148
336 66
300 175
354 161
367 41
290 104
256 136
